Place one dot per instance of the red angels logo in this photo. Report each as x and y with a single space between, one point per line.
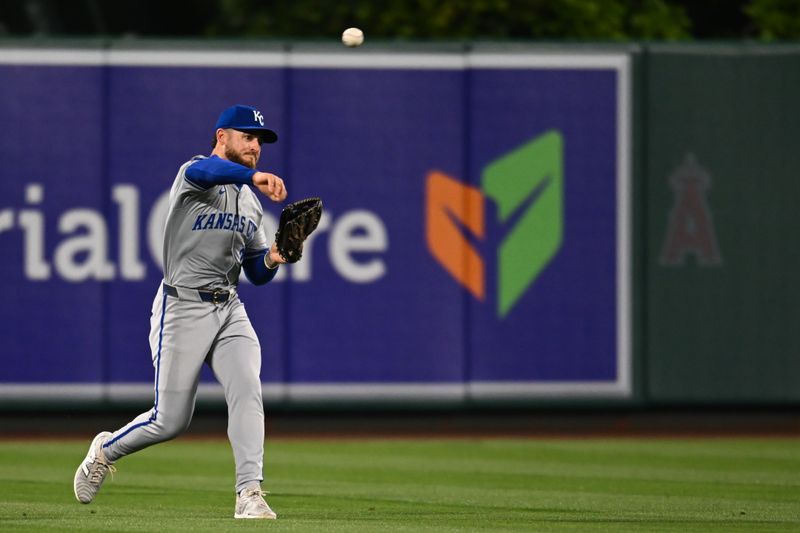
690 229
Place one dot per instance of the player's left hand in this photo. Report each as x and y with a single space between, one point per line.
270 186
274 255
298 220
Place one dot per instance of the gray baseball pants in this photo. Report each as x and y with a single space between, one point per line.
185 332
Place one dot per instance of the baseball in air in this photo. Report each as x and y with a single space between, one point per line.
352 37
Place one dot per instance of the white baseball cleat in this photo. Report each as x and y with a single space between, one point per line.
93 470
250 504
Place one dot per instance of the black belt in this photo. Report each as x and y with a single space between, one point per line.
217 296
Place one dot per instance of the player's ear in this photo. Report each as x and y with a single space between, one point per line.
221 136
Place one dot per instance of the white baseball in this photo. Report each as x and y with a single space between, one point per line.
352 37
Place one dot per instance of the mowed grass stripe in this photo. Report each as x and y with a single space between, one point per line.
420 485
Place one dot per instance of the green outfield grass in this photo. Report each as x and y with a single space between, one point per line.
716 484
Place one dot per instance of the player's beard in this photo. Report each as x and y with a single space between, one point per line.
232 155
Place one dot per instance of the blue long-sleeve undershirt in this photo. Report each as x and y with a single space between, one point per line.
205 173
256 270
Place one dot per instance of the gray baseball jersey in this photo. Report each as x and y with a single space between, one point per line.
209 232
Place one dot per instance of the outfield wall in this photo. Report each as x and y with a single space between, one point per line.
494 230
722 159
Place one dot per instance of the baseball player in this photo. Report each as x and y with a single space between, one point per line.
213 231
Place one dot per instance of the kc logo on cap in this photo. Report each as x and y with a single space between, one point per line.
246 118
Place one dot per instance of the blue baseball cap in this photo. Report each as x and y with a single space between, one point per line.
246 118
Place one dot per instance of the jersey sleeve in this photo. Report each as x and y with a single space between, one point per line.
253 260
258 243
204 173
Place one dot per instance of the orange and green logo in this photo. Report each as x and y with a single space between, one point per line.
527 186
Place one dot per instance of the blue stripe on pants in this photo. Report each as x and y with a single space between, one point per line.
158 369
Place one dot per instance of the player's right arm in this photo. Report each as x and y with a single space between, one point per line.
270 186
208 172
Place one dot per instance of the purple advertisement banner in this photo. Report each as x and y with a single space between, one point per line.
475 244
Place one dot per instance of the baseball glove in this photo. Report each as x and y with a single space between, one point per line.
298 220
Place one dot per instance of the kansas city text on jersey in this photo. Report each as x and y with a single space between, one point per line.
225 221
